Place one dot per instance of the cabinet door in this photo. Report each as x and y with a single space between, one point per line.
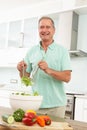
30 32
3 34
79 109
85 110
14 33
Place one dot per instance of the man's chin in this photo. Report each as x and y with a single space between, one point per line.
45 39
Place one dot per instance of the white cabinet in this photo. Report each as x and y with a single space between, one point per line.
9 34
68 29
14 33
16 37
64 29
30 32
82 35
81 108
3 34
19 33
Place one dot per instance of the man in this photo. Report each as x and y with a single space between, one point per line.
50 64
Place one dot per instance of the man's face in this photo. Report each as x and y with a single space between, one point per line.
46 30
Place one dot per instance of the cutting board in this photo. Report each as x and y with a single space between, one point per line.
53 126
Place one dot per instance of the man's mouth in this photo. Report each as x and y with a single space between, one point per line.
45 34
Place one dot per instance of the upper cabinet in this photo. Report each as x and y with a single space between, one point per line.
3 34
30 31
19 34
14 33
67 30
16 37
72 30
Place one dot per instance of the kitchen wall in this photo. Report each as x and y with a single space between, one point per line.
78 83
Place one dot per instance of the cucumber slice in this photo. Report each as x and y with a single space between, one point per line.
8 118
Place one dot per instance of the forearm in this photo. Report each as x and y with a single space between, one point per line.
59 75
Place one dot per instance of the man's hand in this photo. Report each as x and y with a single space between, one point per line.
20 66
43 65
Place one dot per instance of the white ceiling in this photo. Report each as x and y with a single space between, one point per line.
12 4
8 5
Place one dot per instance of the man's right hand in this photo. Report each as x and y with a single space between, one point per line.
21 65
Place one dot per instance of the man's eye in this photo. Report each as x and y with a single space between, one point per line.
41 27
47 27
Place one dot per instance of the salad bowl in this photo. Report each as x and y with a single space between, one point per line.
25 101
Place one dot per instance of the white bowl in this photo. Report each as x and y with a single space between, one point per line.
25 102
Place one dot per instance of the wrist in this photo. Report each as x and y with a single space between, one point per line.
48 71
20 73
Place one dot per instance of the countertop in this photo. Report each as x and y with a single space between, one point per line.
57 123
81 96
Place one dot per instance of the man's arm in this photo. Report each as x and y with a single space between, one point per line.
59 75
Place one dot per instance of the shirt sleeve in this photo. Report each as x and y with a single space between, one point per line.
66 63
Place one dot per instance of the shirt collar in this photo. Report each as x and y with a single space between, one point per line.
51 46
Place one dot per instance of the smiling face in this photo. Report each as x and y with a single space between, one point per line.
46 29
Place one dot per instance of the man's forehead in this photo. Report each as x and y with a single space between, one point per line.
45 22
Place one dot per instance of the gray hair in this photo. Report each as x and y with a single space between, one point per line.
46 17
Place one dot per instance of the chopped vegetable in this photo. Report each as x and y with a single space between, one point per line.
29 119
35 93
8 118
22 93
41 121
18 115
26 94
26 81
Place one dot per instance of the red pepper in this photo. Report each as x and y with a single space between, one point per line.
47 121
29 119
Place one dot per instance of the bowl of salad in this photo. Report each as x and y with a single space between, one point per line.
25 100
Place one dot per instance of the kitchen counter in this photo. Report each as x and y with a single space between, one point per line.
81 96
57 123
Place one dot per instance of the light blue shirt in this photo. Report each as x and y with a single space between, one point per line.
52 90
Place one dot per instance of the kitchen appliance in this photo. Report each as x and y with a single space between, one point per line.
70 107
